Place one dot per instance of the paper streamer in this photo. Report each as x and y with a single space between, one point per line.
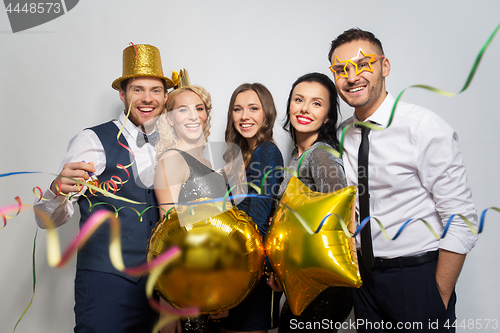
34 281
55 259
155 268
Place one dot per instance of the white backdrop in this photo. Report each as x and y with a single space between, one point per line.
55 80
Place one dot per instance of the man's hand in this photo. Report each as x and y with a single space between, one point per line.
448 269
76 170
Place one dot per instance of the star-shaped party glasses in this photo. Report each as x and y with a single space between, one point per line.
362 62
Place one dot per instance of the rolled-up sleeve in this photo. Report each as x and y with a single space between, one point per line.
442 172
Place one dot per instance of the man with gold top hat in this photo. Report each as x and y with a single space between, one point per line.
108 300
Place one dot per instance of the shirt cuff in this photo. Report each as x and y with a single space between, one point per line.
48 205
461 243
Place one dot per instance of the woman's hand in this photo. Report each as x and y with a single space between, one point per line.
172 327
224 314
273 283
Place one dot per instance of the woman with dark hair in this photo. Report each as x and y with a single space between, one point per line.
311 120
327 131
250 122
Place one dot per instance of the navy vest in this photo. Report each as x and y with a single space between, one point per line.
94 255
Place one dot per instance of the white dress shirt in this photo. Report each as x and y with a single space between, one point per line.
86 146
415 171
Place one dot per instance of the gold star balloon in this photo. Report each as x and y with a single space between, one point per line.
222 257
311 255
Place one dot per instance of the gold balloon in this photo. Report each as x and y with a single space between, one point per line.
306 263
222 257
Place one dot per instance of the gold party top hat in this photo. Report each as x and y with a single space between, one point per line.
147 62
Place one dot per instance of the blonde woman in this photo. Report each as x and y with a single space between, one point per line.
182 173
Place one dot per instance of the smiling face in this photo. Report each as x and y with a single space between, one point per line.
309 105
248 115
365 91
188 117
148 97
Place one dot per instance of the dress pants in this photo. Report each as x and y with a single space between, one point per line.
109 303
403 299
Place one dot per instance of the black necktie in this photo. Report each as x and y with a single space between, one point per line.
152 138
364 199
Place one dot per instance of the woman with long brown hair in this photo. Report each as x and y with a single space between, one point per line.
250 123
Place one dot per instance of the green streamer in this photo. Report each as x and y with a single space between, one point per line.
34 281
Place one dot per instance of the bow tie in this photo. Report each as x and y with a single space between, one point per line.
152 138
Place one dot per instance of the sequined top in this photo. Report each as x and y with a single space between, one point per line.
320 170
203 182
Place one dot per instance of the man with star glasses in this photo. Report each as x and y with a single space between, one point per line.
408 170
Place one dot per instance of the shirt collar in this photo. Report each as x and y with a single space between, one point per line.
383 113
130 127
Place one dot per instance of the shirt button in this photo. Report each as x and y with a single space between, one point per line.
150 222
149 191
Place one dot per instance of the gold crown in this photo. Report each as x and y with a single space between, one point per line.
181 79
146 63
